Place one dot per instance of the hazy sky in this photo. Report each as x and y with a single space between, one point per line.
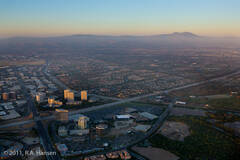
143 17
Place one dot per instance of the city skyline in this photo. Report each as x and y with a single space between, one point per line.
56 18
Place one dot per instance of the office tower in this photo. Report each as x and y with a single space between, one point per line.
66 93
84 95
69 95
51 101
40 97
82 122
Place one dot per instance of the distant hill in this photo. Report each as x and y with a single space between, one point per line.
75 43
175 35
178 35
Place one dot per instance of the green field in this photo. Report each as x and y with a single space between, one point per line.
21 62
231 103
204 142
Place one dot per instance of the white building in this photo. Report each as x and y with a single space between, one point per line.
148 115
180 102
123 117
62 131
79 132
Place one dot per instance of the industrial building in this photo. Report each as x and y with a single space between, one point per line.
61 115
123 117
148 115
142 128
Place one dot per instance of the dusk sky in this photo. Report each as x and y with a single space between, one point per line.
118 17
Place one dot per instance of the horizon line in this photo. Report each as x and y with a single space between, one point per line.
113 35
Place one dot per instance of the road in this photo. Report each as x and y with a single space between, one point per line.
42 132
137 156
120 101
125 100
150 132
155 127
46 142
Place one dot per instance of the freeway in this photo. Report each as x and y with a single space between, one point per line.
126 100
16 123
152 94
45 138
150 132
120 101
46 142
105 97
153 129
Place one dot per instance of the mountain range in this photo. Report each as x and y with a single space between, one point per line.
77 42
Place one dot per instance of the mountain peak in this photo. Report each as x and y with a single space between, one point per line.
178 35
188 34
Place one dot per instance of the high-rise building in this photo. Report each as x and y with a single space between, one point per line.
5 96
51 101
84 95
82 122
66 93
40 97
69 95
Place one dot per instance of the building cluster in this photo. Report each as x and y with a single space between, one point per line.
68 98
37 83
80 126
120 80
52 102
72 132
11 96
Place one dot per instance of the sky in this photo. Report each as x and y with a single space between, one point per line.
119 17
